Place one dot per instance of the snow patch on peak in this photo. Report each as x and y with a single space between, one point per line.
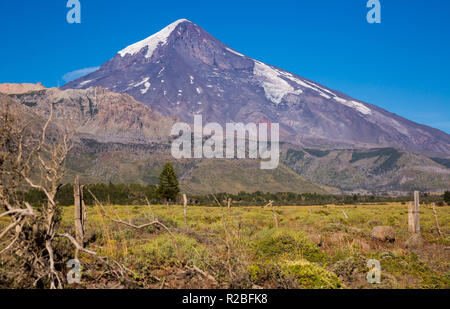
274 82
355 105
147 87
359 107
234 52
274 86
86 82
152 42
143 82
146 79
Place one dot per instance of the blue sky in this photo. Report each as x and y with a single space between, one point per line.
402 64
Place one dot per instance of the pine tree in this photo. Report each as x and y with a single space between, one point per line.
447 197
168 187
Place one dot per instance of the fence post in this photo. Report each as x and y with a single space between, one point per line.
437 222
185 210
80 211
416 213
413 215
411 218
275 217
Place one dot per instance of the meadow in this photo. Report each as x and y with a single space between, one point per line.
254 247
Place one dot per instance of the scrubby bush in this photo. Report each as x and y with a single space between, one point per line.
163 251
288 244
311 276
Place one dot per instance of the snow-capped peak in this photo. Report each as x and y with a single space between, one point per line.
152 42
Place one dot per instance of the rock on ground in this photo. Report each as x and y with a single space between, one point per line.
383 233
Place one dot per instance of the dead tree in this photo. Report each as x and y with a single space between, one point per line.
34 161
31 161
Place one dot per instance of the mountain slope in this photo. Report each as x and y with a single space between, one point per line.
301 170
183 70
368 170
121 163
100 114
234 176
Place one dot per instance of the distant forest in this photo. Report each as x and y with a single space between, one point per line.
136 194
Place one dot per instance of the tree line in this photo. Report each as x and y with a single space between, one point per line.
136 194
168 191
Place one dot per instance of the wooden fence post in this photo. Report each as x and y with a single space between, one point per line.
437 222
413 215
411 218
416 213
275 217
185 210
80 211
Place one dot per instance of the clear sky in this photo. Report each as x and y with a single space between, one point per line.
402 64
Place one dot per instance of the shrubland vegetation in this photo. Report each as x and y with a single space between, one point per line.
314 247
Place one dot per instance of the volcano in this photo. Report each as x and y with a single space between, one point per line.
183 70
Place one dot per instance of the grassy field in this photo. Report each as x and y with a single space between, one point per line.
313 247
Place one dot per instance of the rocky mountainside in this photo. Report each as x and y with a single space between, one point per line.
183 70
20 88
99 114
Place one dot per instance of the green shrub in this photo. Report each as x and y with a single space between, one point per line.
311 276
278 244
162 251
